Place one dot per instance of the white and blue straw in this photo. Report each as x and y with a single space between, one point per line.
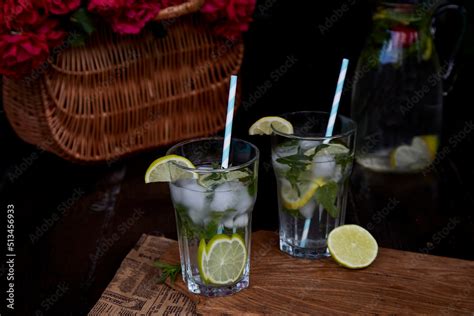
228 122
228 130
329 130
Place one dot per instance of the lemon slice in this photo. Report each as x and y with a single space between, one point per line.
416 156
352 246
223 260
290 198
159 170
264 126
431 142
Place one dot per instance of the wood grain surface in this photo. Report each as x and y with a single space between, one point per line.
397 282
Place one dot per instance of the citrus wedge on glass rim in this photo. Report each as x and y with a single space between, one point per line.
352 246
159 170
264 126
222 260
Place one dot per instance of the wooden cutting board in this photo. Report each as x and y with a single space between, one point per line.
397 282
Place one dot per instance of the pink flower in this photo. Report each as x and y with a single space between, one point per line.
229 17
20 14
60 7
50 32
126 16
21 53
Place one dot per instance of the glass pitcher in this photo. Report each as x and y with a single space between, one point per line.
397 94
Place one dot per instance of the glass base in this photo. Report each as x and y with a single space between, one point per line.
306 253
213 291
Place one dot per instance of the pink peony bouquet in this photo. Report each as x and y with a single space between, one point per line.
30 30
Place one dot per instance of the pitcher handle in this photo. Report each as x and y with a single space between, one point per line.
447 74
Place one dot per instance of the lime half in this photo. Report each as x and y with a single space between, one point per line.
264 126
352 246
159 170
223 260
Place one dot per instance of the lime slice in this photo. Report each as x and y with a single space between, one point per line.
264 126
159 170
352 246
202 258
333 149
210 180
224 260
292 200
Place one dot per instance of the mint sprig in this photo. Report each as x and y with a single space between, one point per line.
170 271
327 195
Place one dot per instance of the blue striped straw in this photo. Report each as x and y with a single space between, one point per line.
329 130
228 122
228 130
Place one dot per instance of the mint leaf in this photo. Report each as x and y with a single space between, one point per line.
84 19
188 228
170 271
319 148
327 195
343 160
252 187
295 160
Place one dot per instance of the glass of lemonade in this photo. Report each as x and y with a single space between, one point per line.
214 214
312 173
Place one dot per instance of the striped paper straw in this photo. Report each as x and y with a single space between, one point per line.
329 130
228 122
228 130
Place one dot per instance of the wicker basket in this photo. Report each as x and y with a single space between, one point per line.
120 95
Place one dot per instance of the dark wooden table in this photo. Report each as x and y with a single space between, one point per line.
398 282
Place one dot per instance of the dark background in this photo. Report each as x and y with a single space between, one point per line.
75 254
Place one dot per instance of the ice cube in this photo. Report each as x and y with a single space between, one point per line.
241 220
308 144
225 197
245 201
324 166
197 216
280 152
176 194
338 174
231 195
308 209
228 222
190 194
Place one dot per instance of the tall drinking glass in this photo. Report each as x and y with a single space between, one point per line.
213 214
312 173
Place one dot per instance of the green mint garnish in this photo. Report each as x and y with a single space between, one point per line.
327 195
170 271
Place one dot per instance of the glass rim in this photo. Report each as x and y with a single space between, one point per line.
220 170
317 138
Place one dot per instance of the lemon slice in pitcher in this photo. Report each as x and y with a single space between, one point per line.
264 126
